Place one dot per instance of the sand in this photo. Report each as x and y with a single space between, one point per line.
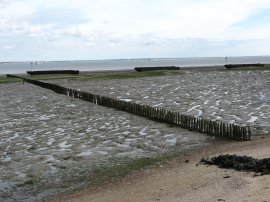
178 180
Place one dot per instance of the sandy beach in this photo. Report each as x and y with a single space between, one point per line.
179 180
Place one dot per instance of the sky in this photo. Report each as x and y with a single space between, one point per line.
37 30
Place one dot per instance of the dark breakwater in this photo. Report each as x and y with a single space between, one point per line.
143 69
53 72
231 66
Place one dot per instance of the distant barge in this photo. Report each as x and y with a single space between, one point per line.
231 66
142 69
53 72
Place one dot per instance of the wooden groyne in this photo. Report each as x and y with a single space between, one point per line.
191 123
231 66
142 69
53 72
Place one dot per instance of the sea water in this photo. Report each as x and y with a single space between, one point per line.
120 64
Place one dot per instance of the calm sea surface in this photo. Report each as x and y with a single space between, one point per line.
118 64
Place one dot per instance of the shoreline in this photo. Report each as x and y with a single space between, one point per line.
185 179
182 68
199 67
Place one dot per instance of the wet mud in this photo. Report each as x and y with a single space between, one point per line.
240 97
47 138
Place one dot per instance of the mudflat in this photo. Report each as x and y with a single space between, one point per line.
240 97
52 144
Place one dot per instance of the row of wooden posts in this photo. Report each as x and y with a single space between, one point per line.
213 128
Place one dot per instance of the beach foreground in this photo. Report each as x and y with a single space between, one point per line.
185 179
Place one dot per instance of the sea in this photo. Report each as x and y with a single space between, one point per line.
125 64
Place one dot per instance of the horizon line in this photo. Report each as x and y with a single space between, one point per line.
143 58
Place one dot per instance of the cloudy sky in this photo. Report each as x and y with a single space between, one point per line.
105 29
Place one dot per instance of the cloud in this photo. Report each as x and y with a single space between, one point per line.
60 17
4 3
7 47
172 18
152 27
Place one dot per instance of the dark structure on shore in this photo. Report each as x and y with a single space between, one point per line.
142 69
53 72
240 163
231 66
